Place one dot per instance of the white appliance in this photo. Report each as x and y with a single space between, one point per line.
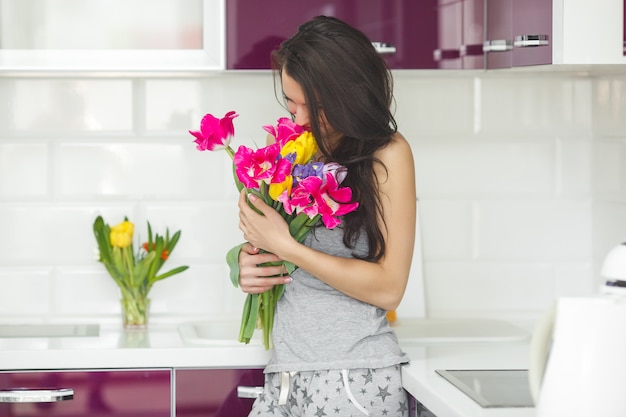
578 351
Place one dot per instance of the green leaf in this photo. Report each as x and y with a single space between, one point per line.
102 231
249 318
232 259
170 273
290 267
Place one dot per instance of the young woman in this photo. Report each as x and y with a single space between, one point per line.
334 351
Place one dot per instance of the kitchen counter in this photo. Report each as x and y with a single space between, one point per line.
161 346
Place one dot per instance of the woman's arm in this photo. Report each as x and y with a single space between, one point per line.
379 283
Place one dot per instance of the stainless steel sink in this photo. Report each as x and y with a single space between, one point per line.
409 331
48 330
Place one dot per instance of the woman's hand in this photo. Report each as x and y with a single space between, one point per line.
254 279
268 231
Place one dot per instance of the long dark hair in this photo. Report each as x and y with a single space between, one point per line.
343 76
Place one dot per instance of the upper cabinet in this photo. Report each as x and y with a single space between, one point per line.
518 33
410 34
588 32
191 35
537 32
460 33
104 35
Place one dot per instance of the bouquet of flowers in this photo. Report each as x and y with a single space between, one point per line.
286 177
134 272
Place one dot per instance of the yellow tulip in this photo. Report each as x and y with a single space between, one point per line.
122 234
275 190
304 146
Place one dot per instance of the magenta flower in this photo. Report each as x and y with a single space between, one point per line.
263 165
284 131
313 196
215 134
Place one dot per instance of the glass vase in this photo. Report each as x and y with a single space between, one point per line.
135 311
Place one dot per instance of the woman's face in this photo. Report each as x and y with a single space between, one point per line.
294 98
296 105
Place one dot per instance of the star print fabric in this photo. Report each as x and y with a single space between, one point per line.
373 392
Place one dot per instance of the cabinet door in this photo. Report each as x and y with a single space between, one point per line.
450 34
472 53
119 393
254 28
519 33
214 392
498 44
532 32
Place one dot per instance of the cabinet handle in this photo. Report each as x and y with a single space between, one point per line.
497 45
25 395
444 54
525 41
249 392
471 50
384 48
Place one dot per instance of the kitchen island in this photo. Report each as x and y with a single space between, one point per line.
161 346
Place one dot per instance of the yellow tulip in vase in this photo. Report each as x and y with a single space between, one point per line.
134 273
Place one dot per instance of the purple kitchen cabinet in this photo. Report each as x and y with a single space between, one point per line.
110 393
532 32
498 45
460 34
216 392
518 33
254 28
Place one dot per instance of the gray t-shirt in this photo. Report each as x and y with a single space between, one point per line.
317 327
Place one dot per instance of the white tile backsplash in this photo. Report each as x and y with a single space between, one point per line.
521 179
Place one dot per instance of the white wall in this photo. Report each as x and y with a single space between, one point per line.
521 179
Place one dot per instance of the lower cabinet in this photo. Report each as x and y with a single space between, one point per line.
216 392
417 409
110 393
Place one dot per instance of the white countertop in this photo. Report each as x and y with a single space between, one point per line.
161 346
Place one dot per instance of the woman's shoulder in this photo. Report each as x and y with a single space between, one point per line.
396 150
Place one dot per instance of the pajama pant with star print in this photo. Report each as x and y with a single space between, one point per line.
337 393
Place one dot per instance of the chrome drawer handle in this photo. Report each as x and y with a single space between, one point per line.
497 45
525 41
384 48
25 395
249 392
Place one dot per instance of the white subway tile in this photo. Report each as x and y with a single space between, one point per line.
208 230
23 170
86 291
171 105
155 170
41 233
610 106
519 230
447 229
431 107
572 280
488 288
574 167
72 105
25 291
484 169
527 105
609 169
198 291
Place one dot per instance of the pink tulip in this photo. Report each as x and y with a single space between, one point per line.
215 134
284 131
263 165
